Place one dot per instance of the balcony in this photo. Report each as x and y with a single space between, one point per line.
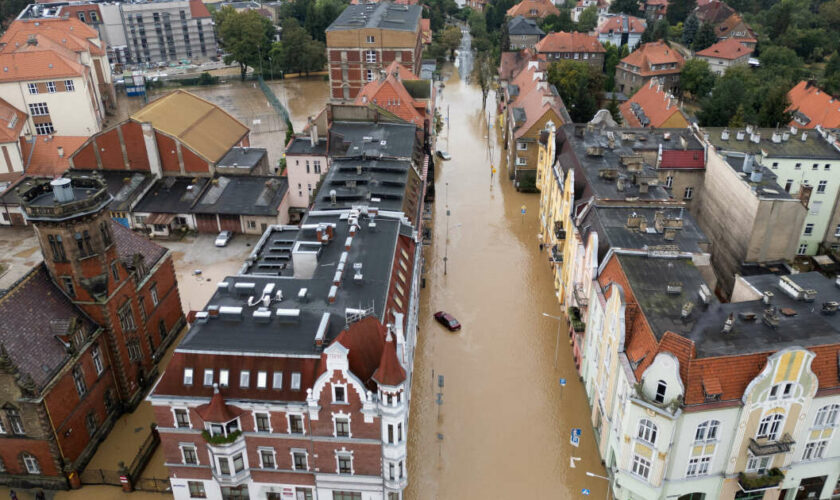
758 482
556 256
580 296
559 232
767 447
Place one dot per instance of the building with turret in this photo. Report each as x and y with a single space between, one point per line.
81 333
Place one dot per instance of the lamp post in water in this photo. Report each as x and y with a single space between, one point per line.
557 342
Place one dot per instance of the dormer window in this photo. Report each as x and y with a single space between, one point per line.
339 394
781 391
660 391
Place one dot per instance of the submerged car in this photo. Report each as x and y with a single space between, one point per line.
448 321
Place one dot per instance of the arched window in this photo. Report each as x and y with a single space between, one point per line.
30 463
647 431
827 416
707 431
770 426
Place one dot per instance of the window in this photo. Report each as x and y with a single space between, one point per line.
809 229
669 182
299 461
57 248
262 422
162 329
788 185
647 431
126 318
641 466
188 376
15 422
81 16
277 382
238 463
769 426
815 166
522 146
79 380
51 87
370 56
369 75
688 193
31 464
775 165
93 17
345 463
342 427
134 351
295 424
827 166
67 281
2 465
827 416
698 466
798 166
316 165
208 377
837 231
758 464
244 378
347 495
189 455
2 427
153 294
69 86
224 466
39 109
90 423
707 431
338 394
814 450
33 88
96 354
115 271
295 381
815 207
252 224
196 489
803 249
262 380
371 39
182 418
267 458
45 128
821 186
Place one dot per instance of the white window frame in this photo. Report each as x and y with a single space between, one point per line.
646 431
521 161
33 88
707 431
521 146
371 39
305 453
757 464
295 385
261 450
208 377
370 56
698 466
175 418
814 450
224 377
244 379
815 207
669 181
827 416
289 423
188 376
370 75
342 416
772 424
334 398
69 85
96 355
803 249
262 379
821 186
51 87
39 109
31 463
153 294
641 467
344 453
809 229
688 193
268 418
277 381
2 427
182 446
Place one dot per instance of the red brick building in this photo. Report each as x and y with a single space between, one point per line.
365 39
81 332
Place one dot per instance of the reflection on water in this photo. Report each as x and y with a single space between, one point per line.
503 428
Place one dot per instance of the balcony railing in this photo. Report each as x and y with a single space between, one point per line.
757 482
783 445
556 255
559 231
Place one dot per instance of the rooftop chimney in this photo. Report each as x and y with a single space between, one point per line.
62 190
804 136
332 197
727 325
739 135
776 137
724 136
755 137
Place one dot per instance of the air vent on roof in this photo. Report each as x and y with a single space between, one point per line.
288 314
830 307
332 294
223 286
705 294
230 313
321 333
727 325
262 315
202 316
674 288
303 295
358 277
244 288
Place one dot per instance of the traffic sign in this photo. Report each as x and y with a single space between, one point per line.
562 382
523 209
572 461
575 438
585 492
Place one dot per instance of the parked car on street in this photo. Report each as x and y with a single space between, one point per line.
448 321
444 155
223 238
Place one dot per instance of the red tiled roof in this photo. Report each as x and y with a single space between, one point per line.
536 99
569 42
675 158
69 32
731 48
724 29
41 65
820 107
511 63
541 7
198 9
713 11
390 372
426 30
615 24
657 104
217 411
390 94
654 53
365 340
11 122
42 158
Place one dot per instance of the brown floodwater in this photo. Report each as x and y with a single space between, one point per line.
503 428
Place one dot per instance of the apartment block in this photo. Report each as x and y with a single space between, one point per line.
170 31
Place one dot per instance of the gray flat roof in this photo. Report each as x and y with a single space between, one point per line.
814 145
383 15
302 145
242 158
124 186
767 187
380 183
172 195
243 195
372 140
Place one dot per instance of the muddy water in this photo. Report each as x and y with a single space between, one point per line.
503 428
303 97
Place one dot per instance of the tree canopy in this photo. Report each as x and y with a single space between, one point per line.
625 6
588 19
579 85
696 78
704 38
297 52
450 39
246 37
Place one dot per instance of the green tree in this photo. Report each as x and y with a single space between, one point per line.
831 76
554 22
704 38
773 111
298 52
579 85
611 59
450 39
588 19
781 62
482 75
731 90
661 30
614 109
246 37
625 6
690 30
678 10
737 120
697 78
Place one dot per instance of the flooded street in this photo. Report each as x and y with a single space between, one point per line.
503 428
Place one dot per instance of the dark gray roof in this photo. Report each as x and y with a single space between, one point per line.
790 145
245 158
172 195
243 195
649 278
382 15
124 186
521 26
130 244
427 69
380 183
372 140
373 248
302 145
765 186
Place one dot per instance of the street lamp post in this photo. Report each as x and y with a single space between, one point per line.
446 243
605 478
557 342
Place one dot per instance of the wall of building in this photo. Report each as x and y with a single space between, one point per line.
10 158
304 177
681 179
199 31
71 112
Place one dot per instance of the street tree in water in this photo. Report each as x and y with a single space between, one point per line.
450 39
245 36
483 75
298 52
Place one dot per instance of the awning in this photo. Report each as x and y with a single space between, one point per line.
162 219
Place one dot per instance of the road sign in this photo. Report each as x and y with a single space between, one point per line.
585 492
575 438
523 209
572 461
562 382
